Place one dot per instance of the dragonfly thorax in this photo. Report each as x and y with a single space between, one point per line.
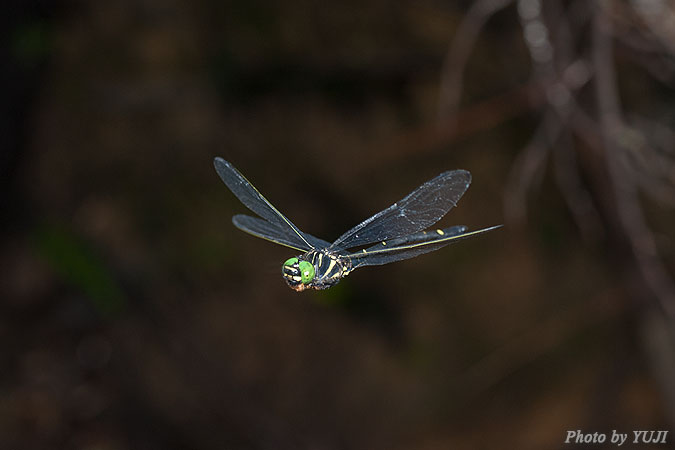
316 269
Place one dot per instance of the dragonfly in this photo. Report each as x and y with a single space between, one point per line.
393 234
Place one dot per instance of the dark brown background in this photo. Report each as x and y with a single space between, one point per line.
135 316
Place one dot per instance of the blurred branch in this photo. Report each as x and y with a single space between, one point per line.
577 197
458 54
651 158
528 168
613 134
658 18
600 161
466 122
659 345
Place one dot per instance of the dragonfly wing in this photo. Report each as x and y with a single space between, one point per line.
255 201
418 210
382 254
265 230
422 236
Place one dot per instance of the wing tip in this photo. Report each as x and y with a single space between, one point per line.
457 173
467 174
219 162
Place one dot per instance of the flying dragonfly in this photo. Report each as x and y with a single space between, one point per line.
398 232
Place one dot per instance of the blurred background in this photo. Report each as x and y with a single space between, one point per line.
135 316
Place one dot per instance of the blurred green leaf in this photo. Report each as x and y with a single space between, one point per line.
30 43
73 261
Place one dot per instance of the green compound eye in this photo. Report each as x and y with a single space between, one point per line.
306 271
291 261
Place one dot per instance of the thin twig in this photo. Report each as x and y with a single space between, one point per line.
625 192
458 54
528 168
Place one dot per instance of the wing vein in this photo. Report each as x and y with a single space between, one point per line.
418 210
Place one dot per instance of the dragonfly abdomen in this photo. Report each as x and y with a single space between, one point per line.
422 236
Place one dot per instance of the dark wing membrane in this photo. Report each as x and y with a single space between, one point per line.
379 254
418 210
255 201
265 230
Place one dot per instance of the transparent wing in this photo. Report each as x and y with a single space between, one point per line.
418 210
265 230
255 201
384 254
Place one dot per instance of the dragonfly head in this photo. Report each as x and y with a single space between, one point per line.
298 273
